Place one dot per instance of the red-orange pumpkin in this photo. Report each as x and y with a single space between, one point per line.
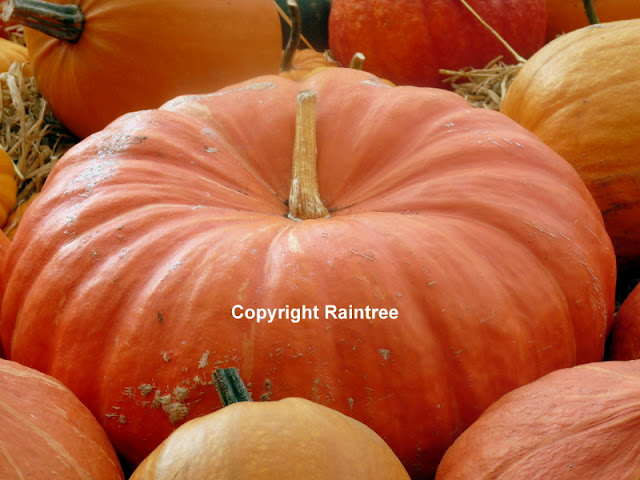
47 433
137 54
576 423
409 41
133 275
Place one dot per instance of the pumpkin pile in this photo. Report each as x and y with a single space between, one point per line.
305 195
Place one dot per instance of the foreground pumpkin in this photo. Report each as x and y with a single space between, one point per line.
45 432
581 422
288 438
157 241
410 41
100 59
577 95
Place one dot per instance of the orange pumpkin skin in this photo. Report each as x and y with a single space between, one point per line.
624 341
137 54
305 61
8 186
11 52
409 41
149 233
564 16
4 246
575 97
289 438
581 422
46 432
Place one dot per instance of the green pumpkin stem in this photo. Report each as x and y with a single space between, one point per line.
230 386
286 63
304 198
64 22
591 12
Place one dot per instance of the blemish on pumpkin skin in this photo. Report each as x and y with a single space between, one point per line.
204 360
146 389
384 353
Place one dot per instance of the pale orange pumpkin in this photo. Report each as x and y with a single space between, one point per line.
578 95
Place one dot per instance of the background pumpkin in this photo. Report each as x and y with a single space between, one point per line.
11 52
46 432
564 16
582 422
624 341
137 54
408 42
8 186
148 233
576 95
315 22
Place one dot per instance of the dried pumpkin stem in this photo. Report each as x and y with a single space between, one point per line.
230 386
357 61
304 198
286 63
591 12
64 22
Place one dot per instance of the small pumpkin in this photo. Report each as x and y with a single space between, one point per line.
11 52
564 16
100 59
283 439
298 63
8 186
46 432
15 217
576 94
153 242
409 42
581 422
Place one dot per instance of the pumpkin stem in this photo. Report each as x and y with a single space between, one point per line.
304 198
515 54
357 61
591 12
64 22
230 386
286 63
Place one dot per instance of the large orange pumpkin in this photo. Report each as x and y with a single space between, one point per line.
47 433
577 94
136 54
156 242
564 16
576 423
409 41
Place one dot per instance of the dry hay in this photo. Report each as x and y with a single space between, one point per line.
484 87
34 139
